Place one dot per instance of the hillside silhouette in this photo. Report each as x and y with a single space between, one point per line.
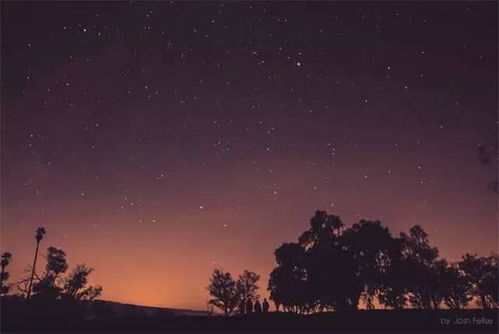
100 317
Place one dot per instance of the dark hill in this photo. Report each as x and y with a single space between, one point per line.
102 316
121 310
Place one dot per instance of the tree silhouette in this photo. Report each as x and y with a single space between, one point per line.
246 286
249 306
230 295
56 262
53 286
75 285
223 292
47 287
323 228
288 280
4 275
482 273
23 283
318 272
456 287
38 236
393 292
241 307
419 265
332 277
375 250
331 268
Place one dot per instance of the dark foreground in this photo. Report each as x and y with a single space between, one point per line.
99 317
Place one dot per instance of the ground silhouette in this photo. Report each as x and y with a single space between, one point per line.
99 317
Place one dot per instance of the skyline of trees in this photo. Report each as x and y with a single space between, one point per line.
236 296
333 268
329 267
232 295
51 284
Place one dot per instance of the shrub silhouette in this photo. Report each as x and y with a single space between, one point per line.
73 287
47 287
4 274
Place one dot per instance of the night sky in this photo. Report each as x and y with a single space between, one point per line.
157 141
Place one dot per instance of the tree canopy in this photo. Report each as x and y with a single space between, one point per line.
338 268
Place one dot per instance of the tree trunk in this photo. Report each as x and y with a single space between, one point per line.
33 271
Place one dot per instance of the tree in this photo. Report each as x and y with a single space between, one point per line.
393 290
317 272
375 250
249 306
482 273
331 268
223 292
52 285
456 287
393 294
56 262
75 286
283 286
38 236
246 286
22 284
287 282
258 307
419 261
323 229
4 275
332 279
47 287
241 308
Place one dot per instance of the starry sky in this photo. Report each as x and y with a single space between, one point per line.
157 141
